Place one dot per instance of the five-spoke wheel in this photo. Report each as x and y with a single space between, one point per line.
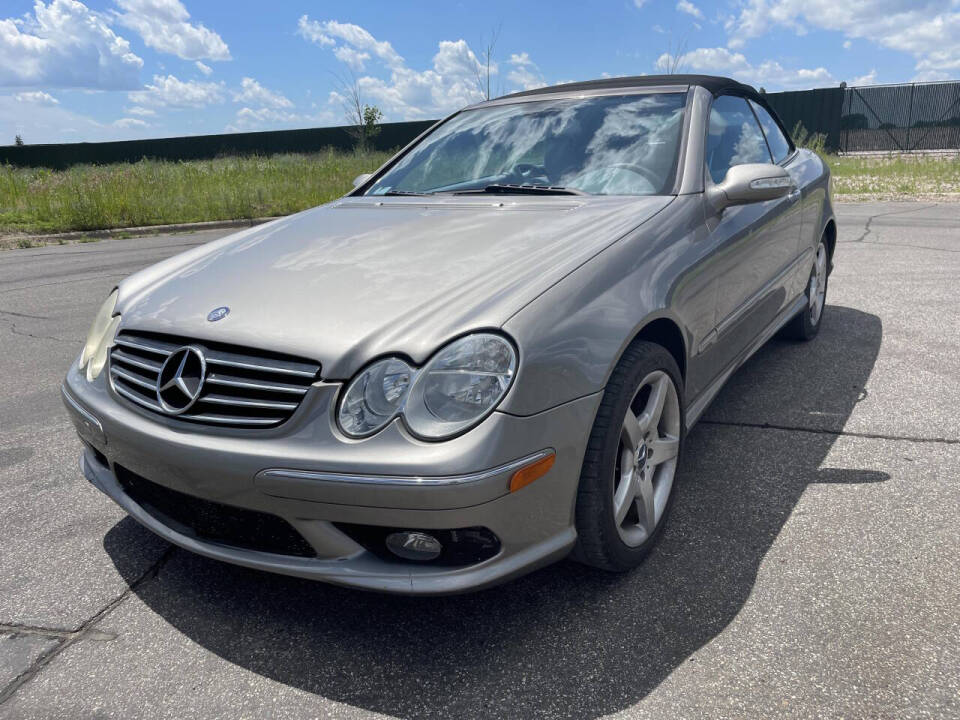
649 443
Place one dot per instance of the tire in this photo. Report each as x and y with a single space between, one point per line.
806 324
603 542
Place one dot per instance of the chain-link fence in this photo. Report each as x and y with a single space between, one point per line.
911 117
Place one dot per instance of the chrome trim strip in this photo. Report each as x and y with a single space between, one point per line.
82 411
243 402
754 299
258 385
127 377
141 345
139 400
228 420
121 356
286 474
216 359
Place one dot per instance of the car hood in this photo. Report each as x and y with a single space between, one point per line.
362 277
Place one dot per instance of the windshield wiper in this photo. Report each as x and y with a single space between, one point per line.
405 193
510 189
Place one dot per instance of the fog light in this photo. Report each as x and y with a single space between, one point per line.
412 545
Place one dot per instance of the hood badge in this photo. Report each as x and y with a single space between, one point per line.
218 313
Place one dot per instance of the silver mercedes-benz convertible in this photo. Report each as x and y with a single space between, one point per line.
484 358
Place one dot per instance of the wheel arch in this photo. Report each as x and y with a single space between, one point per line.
663 331
830 236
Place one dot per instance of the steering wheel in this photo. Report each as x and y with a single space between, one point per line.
645 173
527 170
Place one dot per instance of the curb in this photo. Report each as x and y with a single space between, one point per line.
13 241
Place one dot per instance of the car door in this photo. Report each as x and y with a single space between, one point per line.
755 244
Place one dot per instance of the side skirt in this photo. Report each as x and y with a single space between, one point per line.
697 407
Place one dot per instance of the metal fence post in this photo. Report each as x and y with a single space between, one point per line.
913 86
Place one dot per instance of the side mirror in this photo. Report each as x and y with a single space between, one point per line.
754 182
361 179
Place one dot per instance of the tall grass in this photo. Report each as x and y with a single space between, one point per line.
151 192
892 177
154 192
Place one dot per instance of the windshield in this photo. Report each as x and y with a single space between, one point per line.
608 145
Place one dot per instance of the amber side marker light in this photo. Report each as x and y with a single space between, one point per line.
524 476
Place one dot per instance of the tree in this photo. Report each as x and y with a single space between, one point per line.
18 141
486 66
671 60
363 120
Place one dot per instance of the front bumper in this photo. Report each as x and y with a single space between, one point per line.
311 476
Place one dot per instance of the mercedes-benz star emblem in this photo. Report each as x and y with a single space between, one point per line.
218 314
181 379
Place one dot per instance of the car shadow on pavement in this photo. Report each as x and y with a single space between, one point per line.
566 641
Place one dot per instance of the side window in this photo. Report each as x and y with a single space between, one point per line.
779 145
734 137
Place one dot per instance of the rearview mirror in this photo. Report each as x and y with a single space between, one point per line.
750 183
361 179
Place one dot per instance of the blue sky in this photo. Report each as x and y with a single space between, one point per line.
73 70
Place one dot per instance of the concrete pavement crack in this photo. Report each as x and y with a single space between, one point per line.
824 431
871 218
52 633
85 631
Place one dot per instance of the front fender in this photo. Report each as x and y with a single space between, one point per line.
572 335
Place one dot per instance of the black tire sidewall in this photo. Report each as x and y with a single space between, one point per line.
600 542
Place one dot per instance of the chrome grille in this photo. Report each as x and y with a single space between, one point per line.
242 387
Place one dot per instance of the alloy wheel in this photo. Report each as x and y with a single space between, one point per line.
646 458
817 293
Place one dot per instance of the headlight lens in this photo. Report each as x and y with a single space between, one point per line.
461 385
375 397
94 354
458 388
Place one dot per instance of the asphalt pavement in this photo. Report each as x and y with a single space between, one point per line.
811 567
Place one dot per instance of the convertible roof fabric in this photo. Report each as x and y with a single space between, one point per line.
713 83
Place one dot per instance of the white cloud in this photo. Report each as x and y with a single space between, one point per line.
399 91
639 3
163 26
249 118
355 59
847 44
685 6
266 118
141 111
869 79
203 68
65 44
769 74
44 123
37 97
329 32
167 91
254 93
451 82
929 30
127 122
525 75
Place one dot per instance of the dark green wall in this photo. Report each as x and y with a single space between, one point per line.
197 147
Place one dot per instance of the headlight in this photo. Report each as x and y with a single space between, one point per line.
94 354
375 397
458 388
